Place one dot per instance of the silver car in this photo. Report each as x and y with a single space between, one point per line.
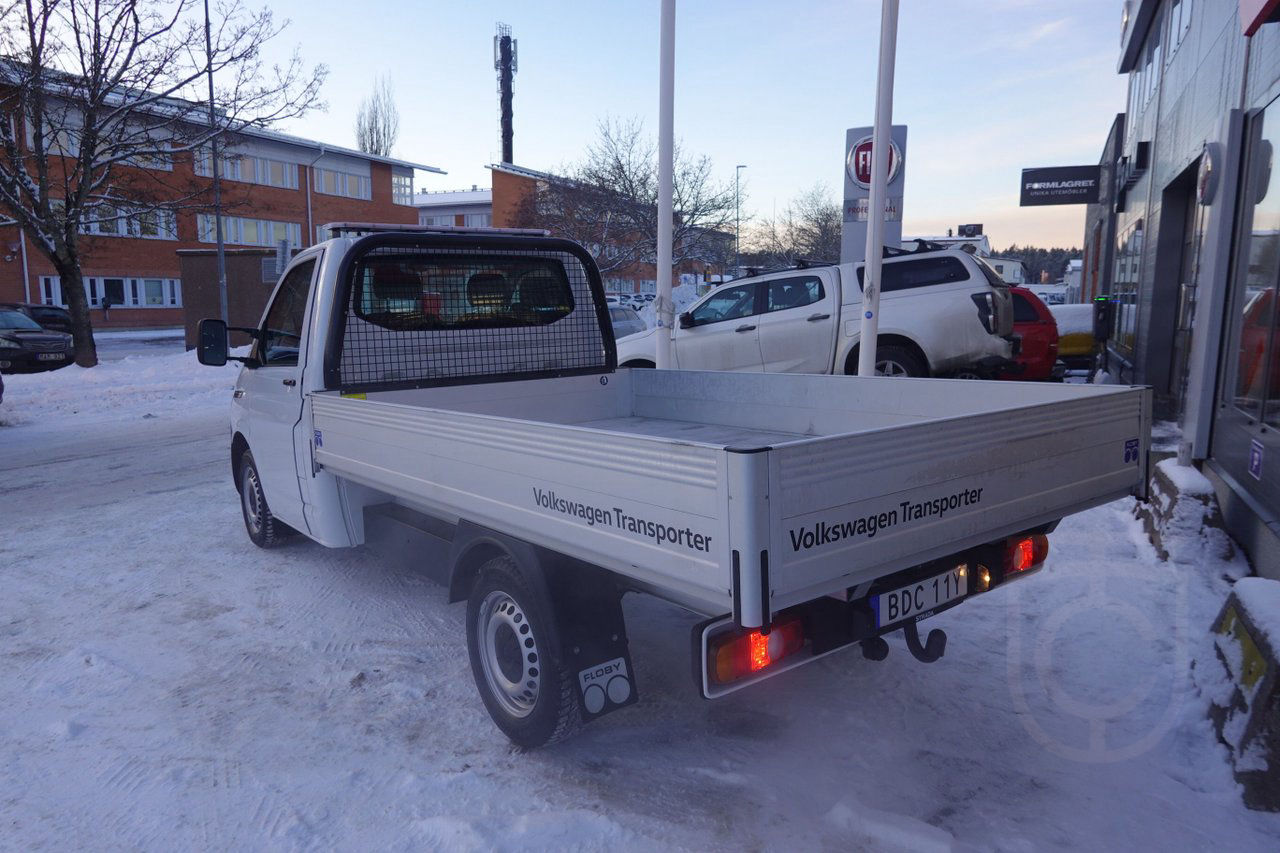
625 321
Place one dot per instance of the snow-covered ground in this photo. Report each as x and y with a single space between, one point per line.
167 686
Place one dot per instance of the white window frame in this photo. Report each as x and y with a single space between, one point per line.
243 231
134 291
127 222
402 189
345 184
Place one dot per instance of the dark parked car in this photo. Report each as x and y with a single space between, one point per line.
24 346
49 317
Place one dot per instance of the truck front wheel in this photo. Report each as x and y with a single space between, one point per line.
265 530
517 659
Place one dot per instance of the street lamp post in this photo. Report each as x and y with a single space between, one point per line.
737 219
217 182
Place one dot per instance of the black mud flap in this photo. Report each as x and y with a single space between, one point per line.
594 636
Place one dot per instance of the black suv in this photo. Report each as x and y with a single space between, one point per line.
49 317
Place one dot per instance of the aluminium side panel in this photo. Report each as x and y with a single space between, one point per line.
647 508
852 508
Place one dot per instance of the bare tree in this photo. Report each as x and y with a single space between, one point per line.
809 228
378 120
609 202
96 99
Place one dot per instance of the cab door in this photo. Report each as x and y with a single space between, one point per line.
273 394
724 332
797 326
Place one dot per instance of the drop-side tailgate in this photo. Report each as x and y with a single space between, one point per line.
849 509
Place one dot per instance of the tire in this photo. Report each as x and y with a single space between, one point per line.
900 361
640 364
264 529
510 629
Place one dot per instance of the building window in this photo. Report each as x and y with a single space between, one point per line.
477 220
251 170
1124 290
331 182
116 220
402 188
436 219
242 231
229 168
119 292
51 291
1179 24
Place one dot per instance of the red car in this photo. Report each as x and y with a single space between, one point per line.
1039 332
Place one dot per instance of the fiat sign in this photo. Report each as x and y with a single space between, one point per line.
858 162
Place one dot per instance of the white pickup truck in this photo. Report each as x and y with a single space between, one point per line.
454 392
943 312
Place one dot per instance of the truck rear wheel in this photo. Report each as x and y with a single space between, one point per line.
265 530
517 658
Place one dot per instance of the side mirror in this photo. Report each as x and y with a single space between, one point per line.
211 343
686 321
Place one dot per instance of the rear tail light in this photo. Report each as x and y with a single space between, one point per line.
1025 552
737 654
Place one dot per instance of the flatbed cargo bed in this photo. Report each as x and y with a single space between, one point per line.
808 485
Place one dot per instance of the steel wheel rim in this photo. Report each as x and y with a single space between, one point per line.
892 369
250 500
501 627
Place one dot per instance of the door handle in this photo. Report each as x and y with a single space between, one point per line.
745 329
816 317
289 382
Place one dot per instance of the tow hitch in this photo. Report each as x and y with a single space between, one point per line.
934 645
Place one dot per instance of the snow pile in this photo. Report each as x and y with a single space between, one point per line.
1073 319
682 297
1261 600
1186 480
1182 516
133 387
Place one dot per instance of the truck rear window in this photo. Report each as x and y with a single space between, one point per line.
428 293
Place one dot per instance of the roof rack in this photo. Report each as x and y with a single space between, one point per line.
921 246
797 264
350 229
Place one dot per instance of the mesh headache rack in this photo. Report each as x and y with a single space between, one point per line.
419 307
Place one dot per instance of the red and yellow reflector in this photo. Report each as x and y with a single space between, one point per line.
736 654
1025 552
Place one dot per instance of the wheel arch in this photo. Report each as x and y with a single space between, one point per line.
239 444
888 339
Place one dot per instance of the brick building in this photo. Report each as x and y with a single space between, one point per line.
514 185
275 187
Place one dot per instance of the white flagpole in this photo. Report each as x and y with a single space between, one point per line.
880 155
665 311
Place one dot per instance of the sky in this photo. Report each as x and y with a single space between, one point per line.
986 88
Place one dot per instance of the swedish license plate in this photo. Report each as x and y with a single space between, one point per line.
920 598
50 356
